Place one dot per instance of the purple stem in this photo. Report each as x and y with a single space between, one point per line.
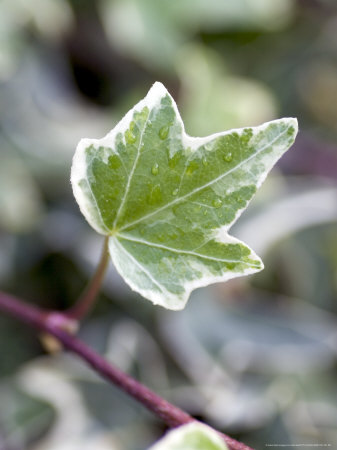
87 300
45 321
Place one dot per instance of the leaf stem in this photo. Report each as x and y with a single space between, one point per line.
86 301
43 321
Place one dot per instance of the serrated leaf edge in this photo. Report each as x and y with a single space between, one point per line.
93 216
153 98
177 302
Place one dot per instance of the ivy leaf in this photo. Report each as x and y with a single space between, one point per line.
167 200
193 436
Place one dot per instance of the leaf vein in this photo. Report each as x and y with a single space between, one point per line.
141 267
200 188
178 251
128 184
93 196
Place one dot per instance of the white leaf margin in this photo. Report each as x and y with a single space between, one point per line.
79 164
151 100
92 214
168 299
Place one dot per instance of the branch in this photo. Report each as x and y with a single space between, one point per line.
44 320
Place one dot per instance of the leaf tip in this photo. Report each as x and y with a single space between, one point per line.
156 92
158 87
292 126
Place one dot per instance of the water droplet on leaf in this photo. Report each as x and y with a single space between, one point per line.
174 160
228 157
130 137
175 192
155 169
204 162
163 132
192 167
217 203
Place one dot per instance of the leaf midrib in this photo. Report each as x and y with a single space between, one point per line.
127 188
140 266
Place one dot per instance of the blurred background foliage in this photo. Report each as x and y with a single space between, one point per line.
254 357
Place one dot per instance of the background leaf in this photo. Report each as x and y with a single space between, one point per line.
193 436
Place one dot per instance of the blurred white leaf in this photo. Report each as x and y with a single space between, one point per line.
300 204
193 436
152 31
44 117
73 428
212 99
216 346
20 202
